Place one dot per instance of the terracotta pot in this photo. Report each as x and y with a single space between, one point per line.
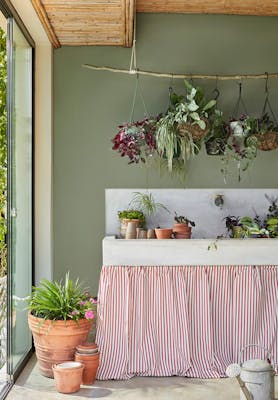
165 233
91 363
87 348
182 231
68 376
55 341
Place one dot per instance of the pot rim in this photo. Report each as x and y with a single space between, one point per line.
68 368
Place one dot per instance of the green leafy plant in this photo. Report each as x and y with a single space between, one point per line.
216 140
63 300
251 227
180 219
175 137
146 203
131 214
241 146
271 222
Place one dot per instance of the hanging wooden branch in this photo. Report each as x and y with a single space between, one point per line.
183 76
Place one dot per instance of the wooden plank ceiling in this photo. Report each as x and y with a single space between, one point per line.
110 22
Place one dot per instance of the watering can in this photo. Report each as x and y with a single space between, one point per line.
255 377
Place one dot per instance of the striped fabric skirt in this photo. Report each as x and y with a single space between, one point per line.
188 321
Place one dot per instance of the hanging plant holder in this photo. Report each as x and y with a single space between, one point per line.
189 129
267 138
215 147
267 141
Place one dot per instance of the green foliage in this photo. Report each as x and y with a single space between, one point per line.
192 109
181 219
132 214
271 222
146 203
3 151
64 300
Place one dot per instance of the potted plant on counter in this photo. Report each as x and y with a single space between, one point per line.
60 318
181 229
130 215
271 222
148 205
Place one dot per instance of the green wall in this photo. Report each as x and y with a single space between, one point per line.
90 104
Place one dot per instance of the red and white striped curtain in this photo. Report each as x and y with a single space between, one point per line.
184 320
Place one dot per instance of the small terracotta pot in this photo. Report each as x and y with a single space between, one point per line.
91 363
87 348
182 231
165 233
68 376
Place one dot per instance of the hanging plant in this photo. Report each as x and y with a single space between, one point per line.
181 130
241 146
216 140
136 140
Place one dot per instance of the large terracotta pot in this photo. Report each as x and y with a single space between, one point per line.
68 376
55 341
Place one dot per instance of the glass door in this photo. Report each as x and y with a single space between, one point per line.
19 195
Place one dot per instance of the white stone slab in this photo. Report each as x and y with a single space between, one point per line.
196 204
190 252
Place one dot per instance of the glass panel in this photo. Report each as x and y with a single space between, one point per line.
3 202
20 194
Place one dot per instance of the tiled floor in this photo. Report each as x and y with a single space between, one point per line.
32 386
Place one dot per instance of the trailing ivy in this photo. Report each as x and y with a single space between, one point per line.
3 151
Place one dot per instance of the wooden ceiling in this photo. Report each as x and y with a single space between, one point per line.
110 22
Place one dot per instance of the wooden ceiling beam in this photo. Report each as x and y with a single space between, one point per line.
246 7
40 10
128 6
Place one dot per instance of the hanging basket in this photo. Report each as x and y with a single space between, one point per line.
193 130
267 141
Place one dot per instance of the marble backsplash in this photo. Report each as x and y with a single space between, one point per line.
196 204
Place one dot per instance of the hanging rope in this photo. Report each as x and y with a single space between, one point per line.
136 90
182 76
133 60
239 102
267 102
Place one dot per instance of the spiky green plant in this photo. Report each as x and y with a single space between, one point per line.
146 203
63 300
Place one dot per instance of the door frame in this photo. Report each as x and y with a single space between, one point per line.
9 12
